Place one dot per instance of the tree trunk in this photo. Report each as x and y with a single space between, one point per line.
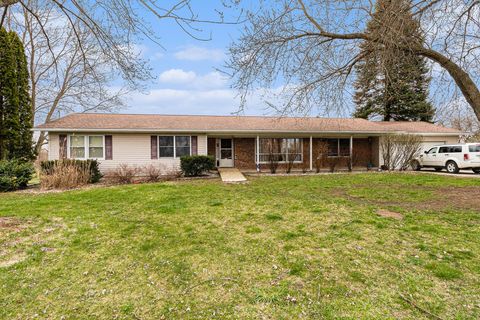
462 79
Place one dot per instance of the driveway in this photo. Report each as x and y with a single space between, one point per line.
461 174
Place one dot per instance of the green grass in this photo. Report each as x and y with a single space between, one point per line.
276 248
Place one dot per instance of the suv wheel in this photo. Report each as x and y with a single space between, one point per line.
476 170
452 167
416 165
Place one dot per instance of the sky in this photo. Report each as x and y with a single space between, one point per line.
187 80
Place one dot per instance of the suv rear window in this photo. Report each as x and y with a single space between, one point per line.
474 148
452 149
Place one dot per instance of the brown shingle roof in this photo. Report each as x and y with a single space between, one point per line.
140 122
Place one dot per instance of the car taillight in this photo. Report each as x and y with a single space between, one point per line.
466 157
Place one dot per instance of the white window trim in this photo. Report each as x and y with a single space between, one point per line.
86 146
286 161
174 145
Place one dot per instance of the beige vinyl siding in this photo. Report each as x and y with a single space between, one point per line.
132 149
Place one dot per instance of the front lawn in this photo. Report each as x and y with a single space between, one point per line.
277 248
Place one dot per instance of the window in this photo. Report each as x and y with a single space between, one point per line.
77 147
95 147
432 151
173 146
182 146
338 147
474 148
166 147
86 147
451 149
226 149
282 150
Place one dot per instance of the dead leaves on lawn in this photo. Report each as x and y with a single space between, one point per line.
18 236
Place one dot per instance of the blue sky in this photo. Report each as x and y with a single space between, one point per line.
186 80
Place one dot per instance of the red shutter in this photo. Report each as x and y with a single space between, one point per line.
62 152
153 147
108 148
194 146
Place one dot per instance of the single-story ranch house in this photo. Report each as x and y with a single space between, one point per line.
235 141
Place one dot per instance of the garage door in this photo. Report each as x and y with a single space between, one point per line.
429 144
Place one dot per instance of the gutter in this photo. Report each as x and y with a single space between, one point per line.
230 132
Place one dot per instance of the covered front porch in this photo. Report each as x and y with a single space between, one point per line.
299 152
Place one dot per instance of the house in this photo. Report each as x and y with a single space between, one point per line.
242 142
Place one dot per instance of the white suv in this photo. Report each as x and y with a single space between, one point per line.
452 157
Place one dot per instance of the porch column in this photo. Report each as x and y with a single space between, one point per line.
206 145
311 154
351 145
257 156
351 152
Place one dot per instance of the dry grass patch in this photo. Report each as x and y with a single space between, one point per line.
389 214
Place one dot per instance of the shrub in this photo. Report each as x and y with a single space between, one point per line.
124 174
14 175
94 171
320 160
398 150
333 162
153 173
65 174
196 165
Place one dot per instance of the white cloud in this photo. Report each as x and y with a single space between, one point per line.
173 101
189 79
194 53
177 76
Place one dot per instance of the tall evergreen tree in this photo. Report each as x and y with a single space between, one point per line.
15 106
392 83
24 145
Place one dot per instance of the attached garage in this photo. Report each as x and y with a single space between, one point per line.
429 144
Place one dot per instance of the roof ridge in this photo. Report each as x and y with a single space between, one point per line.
211 115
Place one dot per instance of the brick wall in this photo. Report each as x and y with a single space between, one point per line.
244 153
244 149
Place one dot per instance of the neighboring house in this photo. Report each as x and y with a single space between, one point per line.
234 141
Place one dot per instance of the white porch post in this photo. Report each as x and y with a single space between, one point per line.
311 154
206 145
351 145
257 156
351 152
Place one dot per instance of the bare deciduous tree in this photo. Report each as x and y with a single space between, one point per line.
65 82
294 149
458 115
398 150
312 46
115 24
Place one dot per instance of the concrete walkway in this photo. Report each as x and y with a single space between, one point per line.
231 175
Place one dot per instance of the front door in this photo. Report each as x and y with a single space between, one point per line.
225 154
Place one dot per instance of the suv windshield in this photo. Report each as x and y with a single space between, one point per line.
474 148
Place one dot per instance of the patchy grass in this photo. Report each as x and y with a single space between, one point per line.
276 248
